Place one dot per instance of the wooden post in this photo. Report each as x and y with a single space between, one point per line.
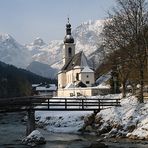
82 104
116 102
48 103
99 105
30 121
65 103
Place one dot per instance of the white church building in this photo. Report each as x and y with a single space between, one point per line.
76 78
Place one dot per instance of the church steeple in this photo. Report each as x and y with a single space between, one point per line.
68 38
69 50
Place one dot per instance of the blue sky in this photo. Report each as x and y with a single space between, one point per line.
27 19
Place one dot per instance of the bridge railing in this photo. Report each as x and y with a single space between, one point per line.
46 103
76 103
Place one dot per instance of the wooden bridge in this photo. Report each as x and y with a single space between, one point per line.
46 103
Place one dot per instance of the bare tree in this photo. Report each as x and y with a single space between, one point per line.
124 31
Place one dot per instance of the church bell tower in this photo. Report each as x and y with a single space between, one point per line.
69 45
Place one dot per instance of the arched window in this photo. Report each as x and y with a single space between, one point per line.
77 76
69 51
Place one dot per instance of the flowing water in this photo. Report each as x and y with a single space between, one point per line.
13 128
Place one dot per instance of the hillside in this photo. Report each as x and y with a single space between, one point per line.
17 82
41 69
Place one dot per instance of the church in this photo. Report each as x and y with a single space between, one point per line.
76 78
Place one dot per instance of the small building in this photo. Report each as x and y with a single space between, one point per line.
44 89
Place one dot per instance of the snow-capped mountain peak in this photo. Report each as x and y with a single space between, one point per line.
86 36
38 42
4 37
36 45
11 52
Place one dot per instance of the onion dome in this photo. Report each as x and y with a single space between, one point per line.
68 38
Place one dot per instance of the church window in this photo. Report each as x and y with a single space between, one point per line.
77 76
87 76
87 82
79 94
71 94
70 51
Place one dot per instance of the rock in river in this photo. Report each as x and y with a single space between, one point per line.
35 138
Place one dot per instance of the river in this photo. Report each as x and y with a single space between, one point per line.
13 128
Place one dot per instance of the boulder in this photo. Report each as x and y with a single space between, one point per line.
98 120
105 128
113 132
131 127
89 120
35 138
117 126
89 124
131 136
89 129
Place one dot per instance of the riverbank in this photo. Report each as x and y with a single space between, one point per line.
13 130
128 121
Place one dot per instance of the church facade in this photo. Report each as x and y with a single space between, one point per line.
76 77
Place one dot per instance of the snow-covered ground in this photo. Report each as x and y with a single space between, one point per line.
62 121
131 119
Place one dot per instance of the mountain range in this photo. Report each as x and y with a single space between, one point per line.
12 52
87 38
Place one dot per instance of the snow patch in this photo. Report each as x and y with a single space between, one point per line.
63 121
35 138
131 116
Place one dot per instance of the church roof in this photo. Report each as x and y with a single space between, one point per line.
87 69
78 60
68 39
